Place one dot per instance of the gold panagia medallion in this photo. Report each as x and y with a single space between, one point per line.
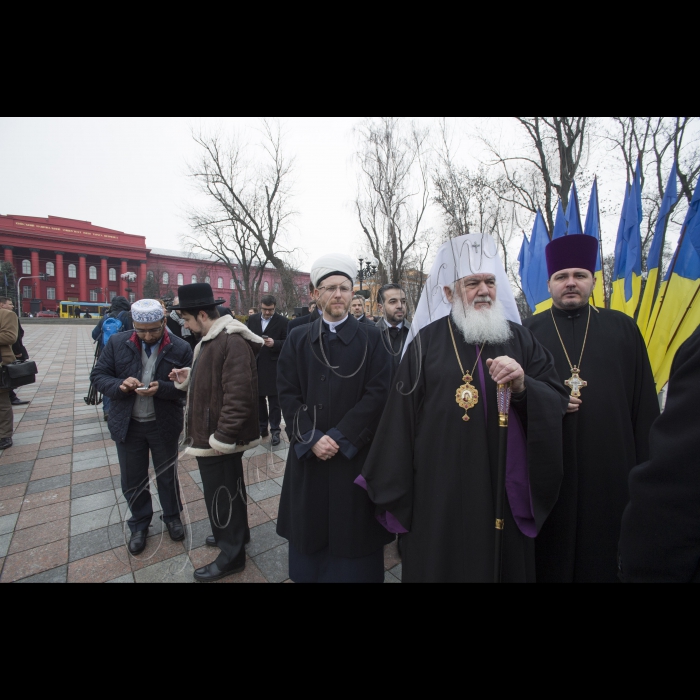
467 396
576 383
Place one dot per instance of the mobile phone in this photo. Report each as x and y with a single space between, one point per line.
143 388
265 337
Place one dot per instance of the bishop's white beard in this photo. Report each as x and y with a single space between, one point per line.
481 327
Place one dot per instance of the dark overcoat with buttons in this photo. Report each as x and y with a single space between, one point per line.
269 357
321 506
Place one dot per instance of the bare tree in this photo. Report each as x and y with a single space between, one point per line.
250 204
393 190
546 168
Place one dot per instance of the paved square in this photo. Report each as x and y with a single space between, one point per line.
61 507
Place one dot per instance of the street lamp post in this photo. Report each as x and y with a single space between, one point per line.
41 277
366 272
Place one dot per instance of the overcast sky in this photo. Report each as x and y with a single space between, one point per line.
129 173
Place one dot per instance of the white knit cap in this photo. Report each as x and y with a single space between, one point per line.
475 254
333 263
147 311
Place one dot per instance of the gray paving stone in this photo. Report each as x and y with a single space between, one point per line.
28 434
91 454
84 439
88 464
390 578
55 482
17 468
5 544
80 506
196 477
274 564
58 452
7 523
92 487
263 491
129 578
176 570
196 534
21 440
87 422
263 539
58 421
397 571
95 520
96 542
58 575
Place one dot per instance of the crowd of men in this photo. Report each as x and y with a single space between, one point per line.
395 427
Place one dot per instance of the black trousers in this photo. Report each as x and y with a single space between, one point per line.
226 499
274 417
142 439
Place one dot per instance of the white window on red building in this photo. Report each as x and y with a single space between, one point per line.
112 296
72 271
50 269
194 279
93 295
93 273
132 298
51 293
207 280
180 280
26 267
26 292
221 282
112 274
166 278
266 287
233 284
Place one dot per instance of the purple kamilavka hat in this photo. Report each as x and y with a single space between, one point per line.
572 252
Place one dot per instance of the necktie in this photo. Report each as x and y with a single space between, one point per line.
394 333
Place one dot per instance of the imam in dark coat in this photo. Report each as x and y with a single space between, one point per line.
660 541
322 508
603 442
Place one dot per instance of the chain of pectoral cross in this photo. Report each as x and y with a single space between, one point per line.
575 383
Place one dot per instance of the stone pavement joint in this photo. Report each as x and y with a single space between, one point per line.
61 508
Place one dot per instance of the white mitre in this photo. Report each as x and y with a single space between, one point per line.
475 254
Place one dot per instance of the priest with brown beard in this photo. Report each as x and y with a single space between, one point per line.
603 364
433 473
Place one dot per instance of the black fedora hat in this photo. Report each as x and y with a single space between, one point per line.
196 296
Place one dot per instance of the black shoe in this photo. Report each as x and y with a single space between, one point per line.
19 402
176 531
264 434
5 444
276 439
138 542
212 573
211 541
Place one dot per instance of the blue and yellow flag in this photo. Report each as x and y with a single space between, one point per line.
677 313
573 214
593 229
617 297
656 253
560 223
537 274
524 260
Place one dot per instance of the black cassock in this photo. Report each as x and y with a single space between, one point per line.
321 507
660 541
602 442
436 475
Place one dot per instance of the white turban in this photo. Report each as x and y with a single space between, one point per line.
333 263
147 311
475 254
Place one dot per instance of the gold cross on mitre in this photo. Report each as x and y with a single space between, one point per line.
576 383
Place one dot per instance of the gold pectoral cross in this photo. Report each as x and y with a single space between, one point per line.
467 396
576 383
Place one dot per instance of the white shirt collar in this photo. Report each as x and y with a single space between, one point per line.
266 323
334 326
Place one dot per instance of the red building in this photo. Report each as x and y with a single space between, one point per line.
85 263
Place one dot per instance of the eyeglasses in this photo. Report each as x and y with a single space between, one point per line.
344 289
149 331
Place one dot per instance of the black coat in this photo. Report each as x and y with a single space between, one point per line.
269 357
18 348
120 360
660 541
321 506
302 321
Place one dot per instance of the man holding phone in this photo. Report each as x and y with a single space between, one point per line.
272 328
146 415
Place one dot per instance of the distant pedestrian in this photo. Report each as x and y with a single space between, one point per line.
21 354
272 328
146 416
120 312
313 315
358 310
8 337
181 332
222 421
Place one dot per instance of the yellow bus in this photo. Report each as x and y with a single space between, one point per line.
79 309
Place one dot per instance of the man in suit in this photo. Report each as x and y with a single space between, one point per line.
358 309
272 328
393 306
21 354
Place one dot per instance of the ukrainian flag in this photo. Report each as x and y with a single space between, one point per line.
656 252
560 223
677 312
627 280
536 274
593 229
573 214
524 260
